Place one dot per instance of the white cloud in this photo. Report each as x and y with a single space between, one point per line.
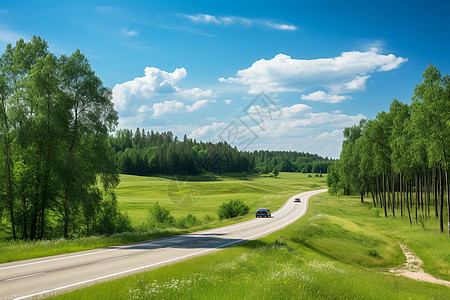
322 96
230 20
195 93
281 26
345 73
127 32
175 106
166 107
327 136
208 131
227 101
134 95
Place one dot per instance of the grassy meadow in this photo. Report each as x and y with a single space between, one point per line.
341 249
201 195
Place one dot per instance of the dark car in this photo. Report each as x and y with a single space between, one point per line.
263 213
297 200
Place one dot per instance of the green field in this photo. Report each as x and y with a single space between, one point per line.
201 195
341 249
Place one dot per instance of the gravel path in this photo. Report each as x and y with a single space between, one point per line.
412 269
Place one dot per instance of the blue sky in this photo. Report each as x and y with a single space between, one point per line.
278 75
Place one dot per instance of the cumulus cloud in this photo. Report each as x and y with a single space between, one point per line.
322 96
234 20
175 106
137 95
327 136
342 74
208 131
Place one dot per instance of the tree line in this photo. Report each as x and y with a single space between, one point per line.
57 170
402 156
148 152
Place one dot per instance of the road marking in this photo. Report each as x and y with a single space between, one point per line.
176 258
20 277
54 259
111 259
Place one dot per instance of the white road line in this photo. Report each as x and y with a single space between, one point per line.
15 278
170 260
54 259
111 259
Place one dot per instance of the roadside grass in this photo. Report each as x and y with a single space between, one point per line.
136 193
341 249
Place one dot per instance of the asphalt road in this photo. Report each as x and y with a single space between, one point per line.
47 276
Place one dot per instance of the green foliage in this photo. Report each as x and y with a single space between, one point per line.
144 153
110 220
232 209
55 118
404 149
159 217
275 171
187 222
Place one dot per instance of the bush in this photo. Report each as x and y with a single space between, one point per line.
110 220
159 217
188 221
231 209
208 219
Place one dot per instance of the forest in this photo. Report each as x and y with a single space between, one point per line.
57 171
153 153
401 157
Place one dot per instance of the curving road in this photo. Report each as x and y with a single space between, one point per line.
47 276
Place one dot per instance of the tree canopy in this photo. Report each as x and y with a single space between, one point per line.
56 167
402 156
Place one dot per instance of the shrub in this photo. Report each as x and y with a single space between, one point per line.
208 219
231 209
110 220
159 217
188 221
275 171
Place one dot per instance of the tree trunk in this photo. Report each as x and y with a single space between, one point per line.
448 194
393 189
379 197
417 195
441 208
362 197
66 211
401 193
373 197
384 196
407 202
435 193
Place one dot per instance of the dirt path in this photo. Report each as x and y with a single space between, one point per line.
412 269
